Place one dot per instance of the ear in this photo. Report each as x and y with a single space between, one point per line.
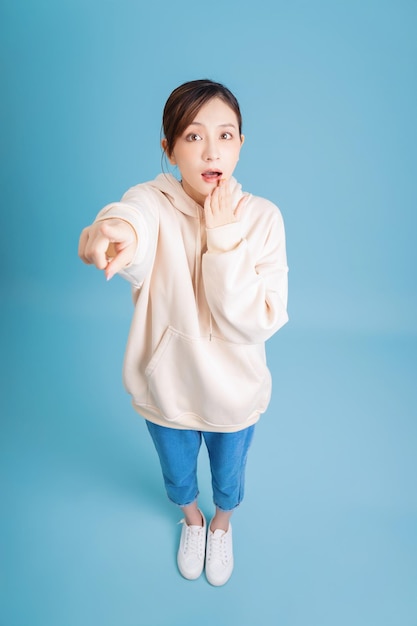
242 141
164 144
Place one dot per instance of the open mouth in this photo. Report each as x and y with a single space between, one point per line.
212 176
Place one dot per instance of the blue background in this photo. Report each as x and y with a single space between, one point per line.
328 531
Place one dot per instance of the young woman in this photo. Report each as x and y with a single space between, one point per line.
208 269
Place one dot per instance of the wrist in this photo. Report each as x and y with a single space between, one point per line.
224 238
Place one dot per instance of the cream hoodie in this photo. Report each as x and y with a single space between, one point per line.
206 300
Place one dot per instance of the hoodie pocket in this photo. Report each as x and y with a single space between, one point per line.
222 383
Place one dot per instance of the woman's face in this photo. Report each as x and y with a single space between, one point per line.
208 149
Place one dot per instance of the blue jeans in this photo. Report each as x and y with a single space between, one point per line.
178 452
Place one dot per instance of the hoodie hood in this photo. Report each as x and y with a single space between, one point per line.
173 190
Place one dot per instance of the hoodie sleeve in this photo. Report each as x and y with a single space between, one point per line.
140 212
246 278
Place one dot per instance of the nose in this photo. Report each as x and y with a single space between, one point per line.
211 151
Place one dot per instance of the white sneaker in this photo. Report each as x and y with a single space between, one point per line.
219 557
191 552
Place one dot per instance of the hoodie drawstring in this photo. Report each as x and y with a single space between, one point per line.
197 270
197 261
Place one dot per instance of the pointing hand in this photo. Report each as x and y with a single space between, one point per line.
110 245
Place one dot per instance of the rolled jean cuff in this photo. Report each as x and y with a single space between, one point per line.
228 510
182 505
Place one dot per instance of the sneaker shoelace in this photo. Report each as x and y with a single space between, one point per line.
218 547
193 540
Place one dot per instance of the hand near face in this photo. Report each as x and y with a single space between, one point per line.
110 245
218 207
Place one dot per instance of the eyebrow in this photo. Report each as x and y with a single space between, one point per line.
219 126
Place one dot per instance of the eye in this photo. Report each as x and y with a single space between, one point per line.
193 137
226 136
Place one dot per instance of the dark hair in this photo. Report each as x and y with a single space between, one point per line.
185 102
